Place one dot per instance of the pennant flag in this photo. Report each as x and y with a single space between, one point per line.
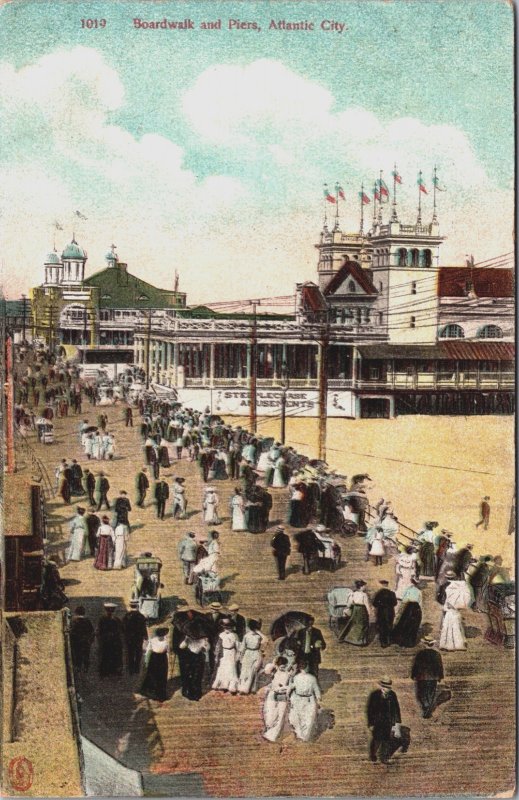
364 197
376 194
80 215
384 191
421 185
437 185
396 176
327 195
340 191
58 225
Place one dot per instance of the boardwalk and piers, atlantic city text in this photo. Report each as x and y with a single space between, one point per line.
188 24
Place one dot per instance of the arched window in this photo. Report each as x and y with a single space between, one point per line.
426 258
490 332
452 332
413 258
402 257
351 287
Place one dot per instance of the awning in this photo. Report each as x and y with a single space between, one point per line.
402 351
479 351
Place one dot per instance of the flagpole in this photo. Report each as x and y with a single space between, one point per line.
419 218
380 199
374 204
361 231
336 226
325 224
434 217
394 217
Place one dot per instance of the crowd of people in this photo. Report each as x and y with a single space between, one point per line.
218 649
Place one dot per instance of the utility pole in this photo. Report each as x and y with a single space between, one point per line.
85 328
322 370
285 379
253 369
148 344
51 328
9 410
24 299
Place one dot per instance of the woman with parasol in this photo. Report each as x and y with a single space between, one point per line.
191 644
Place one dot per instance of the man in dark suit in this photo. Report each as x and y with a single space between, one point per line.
280 544
135 634
266 507
93 523
427 670
161 495
384 604
238 623
142 484
122 509
82 635
102 488
89 485
311 644
383 714
462 560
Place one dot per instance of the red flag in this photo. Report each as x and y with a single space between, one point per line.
327 195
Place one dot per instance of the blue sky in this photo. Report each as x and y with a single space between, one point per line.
199 150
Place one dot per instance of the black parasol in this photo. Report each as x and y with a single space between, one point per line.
90 429
194 624
289 623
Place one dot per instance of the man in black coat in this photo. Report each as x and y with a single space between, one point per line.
384 604
122 509
311 644
109 633
93 523
82 635
89 484
161 495
426 671
135 634
142 484
462 560
266 507
102 488
280 544
238 622
383 714
205 461
77 475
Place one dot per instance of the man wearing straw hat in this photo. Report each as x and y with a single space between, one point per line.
383 712
426 671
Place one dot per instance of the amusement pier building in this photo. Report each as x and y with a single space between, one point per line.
386 329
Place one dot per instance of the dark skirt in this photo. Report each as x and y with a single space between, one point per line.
405 632
255 519
164 457
427 559
155 680
357 627
296 519
192 674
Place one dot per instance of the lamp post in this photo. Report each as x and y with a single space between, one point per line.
285 386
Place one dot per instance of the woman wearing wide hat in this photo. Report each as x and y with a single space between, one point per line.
357 627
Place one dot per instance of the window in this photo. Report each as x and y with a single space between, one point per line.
402 257
380 318
490 332
412 323
426 258
413 287
351 287
452 332
374 373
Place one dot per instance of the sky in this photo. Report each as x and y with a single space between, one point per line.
205 151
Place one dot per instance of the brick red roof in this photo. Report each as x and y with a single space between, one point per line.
350 268
313 298
486 282
479 351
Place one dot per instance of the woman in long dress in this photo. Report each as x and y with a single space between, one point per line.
426 549
108 446
452 633
405 571
237 506
356 629
275 706
154 684
220 466
210 506
122 536
106 545
78 536
305 696
297 501
254 510
378 549
88 444
226 656
279 480
251 657
179 499
195 653
407 627
97 446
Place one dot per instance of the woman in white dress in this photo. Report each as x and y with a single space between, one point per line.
97 447
210 506
226 656
279 480
452 633
237 506
78 536
251 657
405 570
179 499
276 699
305 696
122 536
87 440
108 446
378 549
210 562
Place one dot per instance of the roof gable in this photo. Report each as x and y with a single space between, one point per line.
350 270
118 288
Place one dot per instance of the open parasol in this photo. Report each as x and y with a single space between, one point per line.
289 623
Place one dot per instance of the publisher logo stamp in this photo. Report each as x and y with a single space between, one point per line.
21 773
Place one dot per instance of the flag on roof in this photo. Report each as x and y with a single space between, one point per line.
327 195
396 175
364 198
421 185
340 191
437 185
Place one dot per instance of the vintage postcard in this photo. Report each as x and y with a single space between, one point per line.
258 368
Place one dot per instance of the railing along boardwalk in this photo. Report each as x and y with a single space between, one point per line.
468 746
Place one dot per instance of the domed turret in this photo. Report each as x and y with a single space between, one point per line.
74 258
53 269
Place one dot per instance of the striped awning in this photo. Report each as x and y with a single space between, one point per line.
461 350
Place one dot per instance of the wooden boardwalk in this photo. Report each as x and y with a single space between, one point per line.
215 746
